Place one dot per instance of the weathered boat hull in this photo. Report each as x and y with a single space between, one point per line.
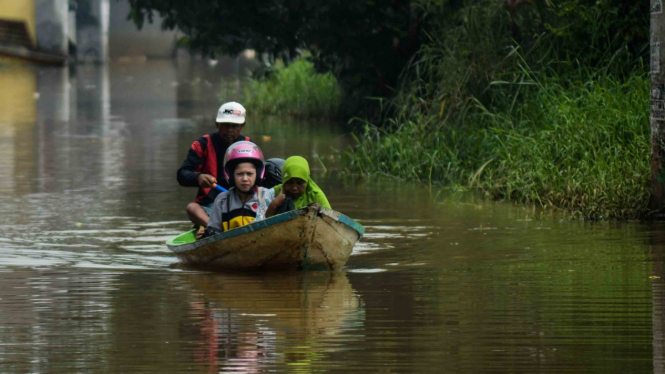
307 238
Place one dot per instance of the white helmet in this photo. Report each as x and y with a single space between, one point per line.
231 112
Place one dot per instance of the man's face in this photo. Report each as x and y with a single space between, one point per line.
229 131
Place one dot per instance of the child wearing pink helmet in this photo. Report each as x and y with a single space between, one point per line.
243 169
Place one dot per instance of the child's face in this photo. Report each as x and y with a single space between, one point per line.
245 176
295 187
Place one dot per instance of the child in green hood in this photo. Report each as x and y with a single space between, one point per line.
297 186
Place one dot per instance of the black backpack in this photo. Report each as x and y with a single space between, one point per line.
273 173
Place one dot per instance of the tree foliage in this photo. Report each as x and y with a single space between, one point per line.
365 43
368 44
592 32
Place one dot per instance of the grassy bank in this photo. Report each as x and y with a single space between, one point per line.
580 146
550 119
295 90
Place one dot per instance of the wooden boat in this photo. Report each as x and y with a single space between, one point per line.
308 238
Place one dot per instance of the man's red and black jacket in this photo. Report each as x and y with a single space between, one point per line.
206 156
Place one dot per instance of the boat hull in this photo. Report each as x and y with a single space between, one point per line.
309 238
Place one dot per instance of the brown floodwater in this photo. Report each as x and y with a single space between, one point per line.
441 282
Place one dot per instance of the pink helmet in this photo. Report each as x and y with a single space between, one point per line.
243 151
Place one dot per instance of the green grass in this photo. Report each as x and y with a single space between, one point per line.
548 119
582 146
295 90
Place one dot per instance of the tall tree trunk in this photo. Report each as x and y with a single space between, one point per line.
657 108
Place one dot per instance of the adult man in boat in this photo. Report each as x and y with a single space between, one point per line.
200 167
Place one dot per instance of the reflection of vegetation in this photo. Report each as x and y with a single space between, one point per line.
592 291
295 90
554 119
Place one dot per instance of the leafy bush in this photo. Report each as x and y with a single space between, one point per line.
295 90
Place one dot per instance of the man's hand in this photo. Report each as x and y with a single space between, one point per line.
206 180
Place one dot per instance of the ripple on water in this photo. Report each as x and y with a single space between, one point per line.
146 248
365 271
93 247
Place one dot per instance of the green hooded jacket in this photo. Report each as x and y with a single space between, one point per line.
297 167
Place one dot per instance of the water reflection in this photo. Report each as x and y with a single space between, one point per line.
657 252
49 320
18 112
251 322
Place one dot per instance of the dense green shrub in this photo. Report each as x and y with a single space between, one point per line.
583 147
295 90
542 103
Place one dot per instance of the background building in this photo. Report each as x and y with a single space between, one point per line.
59 31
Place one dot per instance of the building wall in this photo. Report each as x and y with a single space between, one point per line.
51 25
124 39
20 10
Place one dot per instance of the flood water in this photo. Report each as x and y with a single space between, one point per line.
439 283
